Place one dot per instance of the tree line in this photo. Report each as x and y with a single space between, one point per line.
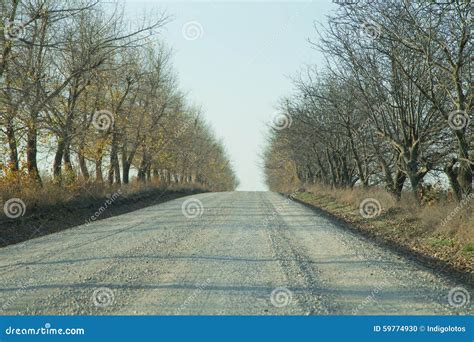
87 95
391 106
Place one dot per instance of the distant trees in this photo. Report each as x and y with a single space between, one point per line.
81 88
392 106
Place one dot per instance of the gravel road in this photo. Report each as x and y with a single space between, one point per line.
231 253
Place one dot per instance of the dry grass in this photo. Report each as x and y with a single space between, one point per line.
52 208
50 194
440 228
455 220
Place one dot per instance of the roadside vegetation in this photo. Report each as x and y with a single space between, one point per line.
440 234
381 135
90 103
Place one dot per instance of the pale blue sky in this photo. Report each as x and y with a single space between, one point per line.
238 68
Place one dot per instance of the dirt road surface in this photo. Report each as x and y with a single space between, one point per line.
230 253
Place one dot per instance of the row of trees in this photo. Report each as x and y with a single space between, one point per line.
95 96
391 107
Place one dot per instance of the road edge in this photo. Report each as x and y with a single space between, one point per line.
429 262
46 220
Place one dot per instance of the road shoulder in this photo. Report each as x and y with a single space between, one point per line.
384 230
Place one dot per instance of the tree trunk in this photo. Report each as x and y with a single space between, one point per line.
452 174
127 159
83 163
415 187
118 180
143 167
156 174
398 184
364 179
464 174
126 171
31 154
394 185
114 168
57 164
12 144
67 162
331 169
148 173
99 178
